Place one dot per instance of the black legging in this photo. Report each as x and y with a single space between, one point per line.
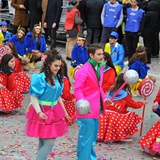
148 43
52 33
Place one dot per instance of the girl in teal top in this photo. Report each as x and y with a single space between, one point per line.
46 114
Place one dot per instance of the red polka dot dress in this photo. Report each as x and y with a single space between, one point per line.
10 98
119 124
22 81
150 143
68 99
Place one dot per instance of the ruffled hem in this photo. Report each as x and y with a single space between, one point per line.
148 142
10 100
117 127
54 126
39 130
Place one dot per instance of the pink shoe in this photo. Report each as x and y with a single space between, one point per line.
52 154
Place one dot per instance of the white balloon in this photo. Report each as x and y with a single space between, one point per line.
131 76
82 106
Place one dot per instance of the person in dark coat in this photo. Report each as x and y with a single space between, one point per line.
155 53
93 20
149 30
35 11
51 21
82 9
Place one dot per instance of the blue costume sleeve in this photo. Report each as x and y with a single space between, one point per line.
29 43
120 56
43 44
74 61
38 85
140 68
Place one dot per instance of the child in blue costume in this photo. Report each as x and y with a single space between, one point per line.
79 53
35 45
18 41
46 114
138 62
6 34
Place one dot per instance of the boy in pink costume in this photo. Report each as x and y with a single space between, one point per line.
88 86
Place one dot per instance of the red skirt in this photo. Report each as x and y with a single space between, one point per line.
117 127
54 126
10 100
149 143
22 82
70 108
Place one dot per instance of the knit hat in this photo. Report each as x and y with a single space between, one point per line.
114 34
4 23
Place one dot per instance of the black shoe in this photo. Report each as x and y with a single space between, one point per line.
155 56
67 58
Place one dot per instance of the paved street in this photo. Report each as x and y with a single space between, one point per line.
14 145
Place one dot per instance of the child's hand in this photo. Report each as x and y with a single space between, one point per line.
145 102
155 106
90 111
45 25
1 86
42 115
68 118
109 102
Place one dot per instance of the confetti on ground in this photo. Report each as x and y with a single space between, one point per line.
14 145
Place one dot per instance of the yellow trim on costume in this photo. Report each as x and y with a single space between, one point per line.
29 55
126 1
107 48
157 139
134 87
81 38
19 56
18 28
1 37
71 72
48 103
43 103
40 24
118 69
21 31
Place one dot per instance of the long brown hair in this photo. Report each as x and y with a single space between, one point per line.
139 55
109 62
47 71
34 33
119 82
13 48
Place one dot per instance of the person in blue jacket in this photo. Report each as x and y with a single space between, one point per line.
35 45
18 41
6 34
79 53
111 18
138 62
116 51
133 28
